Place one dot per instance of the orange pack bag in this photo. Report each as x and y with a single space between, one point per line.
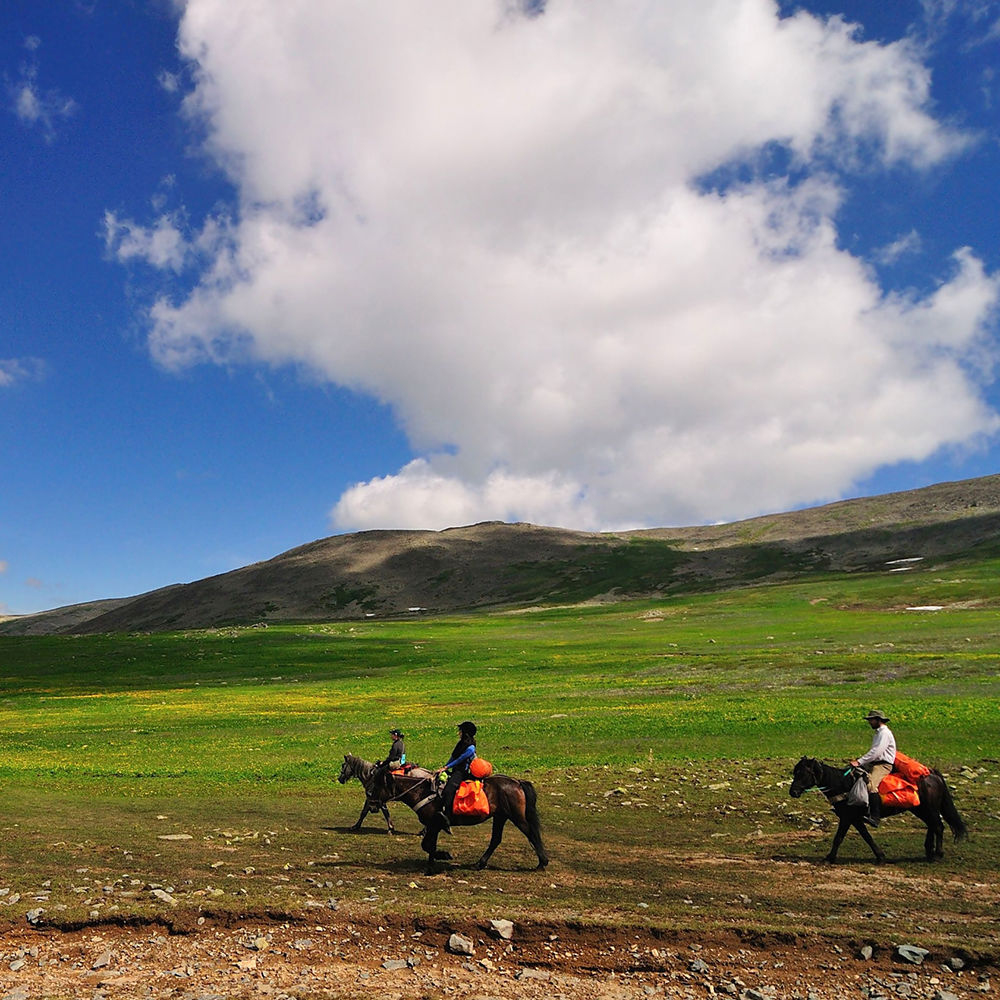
470 800
480 768
895 791
909 769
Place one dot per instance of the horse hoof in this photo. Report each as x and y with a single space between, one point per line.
830 859
442 856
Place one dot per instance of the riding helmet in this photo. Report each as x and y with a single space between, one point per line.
469 728
395 732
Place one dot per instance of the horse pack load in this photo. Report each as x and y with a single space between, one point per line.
470 800
480 768
899 789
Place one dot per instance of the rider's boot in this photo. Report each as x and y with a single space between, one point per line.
445 821
874 816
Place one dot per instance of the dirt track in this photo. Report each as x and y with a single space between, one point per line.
258 958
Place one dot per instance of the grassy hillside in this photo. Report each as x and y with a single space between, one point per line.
386 573
660 733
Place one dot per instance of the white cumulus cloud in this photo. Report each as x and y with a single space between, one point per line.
510 227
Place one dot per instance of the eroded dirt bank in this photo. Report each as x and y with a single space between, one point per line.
411 959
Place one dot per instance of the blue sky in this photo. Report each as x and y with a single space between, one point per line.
337 267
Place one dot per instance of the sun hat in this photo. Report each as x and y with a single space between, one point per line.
876 714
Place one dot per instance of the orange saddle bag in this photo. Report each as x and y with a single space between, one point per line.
470 800
908 769
894 790
480 768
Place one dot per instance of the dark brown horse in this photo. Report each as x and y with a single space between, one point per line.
836 782
508 798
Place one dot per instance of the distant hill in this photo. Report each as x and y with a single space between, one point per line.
494 565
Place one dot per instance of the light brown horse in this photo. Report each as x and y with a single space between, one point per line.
365 771
508 798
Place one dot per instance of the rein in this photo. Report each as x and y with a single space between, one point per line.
416 784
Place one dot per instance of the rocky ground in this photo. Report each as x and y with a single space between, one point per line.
417 959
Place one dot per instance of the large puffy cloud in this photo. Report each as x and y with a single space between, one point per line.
511 227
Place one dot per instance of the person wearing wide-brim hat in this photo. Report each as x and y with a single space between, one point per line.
878 761
397 752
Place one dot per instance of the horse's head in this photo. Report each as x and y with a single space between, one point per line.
804 776
346 770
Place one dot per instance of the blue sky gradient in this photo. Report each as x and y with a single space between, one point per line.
225 331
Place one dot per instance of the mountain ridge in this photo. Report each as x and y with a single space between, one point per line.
497 564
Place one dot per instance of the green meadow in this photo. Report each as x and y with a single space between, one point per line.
660 735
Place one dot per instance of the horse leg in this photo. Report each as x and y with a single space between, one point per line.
388 822
859 825
838 838
530 827
429 844
364 813
499 820
934 841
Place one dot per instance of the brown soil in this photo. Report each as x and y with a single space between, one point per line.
344 957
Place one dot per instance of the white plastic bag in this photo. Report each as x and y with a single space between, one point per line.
858 795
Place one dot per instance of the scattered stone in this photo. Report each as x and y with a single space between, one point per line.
34 916
174 836
912 954
102 961
944 995
866 952
532 974
503 929
394 964
17 965
164 897
698 965
956 963
460 945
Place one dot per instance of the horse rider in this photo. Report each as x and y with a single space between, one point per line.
458 769
877 762
397 752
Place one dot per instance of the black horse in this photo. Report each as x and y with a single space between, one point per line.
835 783
365 771
508 798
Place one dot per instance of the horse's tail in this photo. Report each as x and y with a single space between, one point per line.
958 828
534 821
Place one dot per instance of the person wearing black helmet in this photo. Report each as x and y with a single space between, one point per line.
457 768
397 752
